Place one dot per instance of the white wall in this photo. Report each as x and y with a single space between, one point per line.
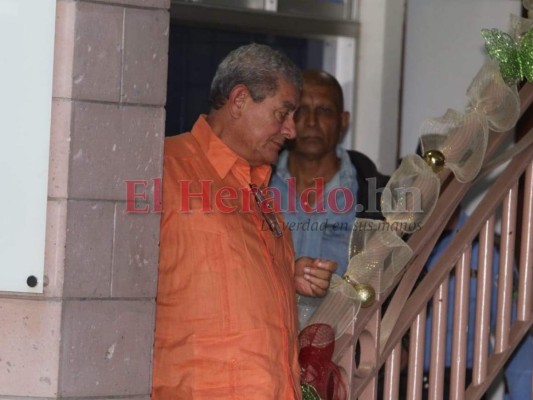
27 43
444 50
339 61
378 78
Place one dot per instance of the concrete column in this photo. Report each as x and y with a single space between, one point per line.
90 334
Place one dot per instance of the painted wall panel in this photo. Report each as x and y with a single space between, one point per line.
26 65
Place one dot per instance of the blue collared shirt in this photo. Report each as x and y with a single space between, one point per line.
324 235
321 234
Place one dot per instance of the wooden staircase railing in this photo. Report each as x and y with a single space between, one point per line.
379 336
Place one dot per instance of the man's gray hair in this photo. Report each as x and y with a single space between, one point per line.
256 66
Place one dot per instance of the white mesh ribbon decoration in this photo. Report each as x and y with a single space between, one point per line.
491 97
377 254
339 308
462 138
519 26
410 195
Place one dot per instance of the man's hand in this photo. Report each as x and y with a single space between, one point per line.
312 276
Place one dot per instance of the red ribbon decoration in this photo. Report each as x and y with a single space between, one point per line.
317 342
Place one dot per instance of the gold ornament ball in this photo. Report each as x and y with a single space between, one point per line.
435 160
366 294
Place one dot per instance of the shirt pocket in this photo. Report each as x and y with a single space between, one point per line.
198 282
202 269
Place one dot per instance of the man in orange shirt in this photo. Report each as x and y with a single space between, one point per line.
226 313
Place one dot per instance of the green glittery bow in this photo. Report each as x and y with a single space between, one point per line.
515 58
309 392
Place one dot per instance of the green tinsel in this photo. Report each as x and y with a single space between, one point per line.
309 392
515 58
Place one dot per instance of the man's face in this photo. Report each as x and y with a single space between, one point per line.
267 124
320 122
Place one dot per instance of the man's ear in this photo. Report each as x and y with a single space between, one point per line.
345 122
237 100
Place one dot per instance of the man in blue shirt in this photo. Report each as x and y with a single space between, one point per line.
323 186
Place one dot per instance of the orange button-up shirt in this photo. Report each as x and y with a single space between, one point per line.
225 323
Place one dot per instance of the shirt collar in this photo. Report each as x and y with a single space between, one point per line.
223 159
281 166
346 169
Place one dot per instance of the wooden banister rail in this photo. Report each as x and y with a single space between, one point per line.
404 311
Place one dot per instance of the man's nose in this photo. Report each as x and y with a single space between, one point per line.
288 129
310 118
